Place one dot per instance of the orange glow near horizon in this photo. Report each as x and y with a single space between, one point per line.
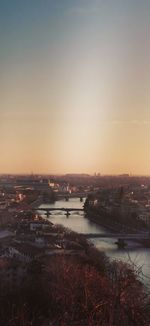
74 93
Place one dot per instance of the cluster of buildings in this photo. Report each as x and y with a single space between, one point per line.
29 238
130 202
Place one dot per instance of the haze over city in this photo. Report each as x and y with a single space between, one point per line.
74 86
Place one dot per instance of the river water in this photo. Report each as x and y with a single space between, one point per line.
134 252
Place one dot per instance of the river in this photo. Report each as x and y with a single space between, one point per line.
134 252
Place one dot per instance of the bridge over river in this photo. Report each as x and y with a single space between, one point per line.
123 236
52 209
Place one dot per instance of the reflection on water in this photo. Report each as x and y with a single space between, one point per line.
76 222
79 223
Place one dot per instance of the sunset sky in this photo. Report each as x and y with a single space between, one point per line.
75 86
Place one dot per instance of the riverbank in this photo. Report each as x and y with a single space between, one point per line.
94 217
134 253
37 202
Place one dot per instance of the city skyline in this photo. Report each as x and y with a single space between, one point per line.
74 95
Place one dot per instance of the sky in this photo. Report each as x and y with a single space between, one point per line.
75 86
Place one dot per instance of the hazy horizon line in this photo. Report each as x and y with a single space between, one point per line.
75 173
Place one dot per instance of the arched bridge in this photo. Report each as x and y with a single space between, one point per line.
52 209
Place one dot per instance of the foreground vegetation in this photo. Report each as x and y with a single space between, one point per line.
76 290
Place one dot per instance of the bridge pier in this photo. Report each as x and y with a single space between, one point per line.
67 213
121 243
48 213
